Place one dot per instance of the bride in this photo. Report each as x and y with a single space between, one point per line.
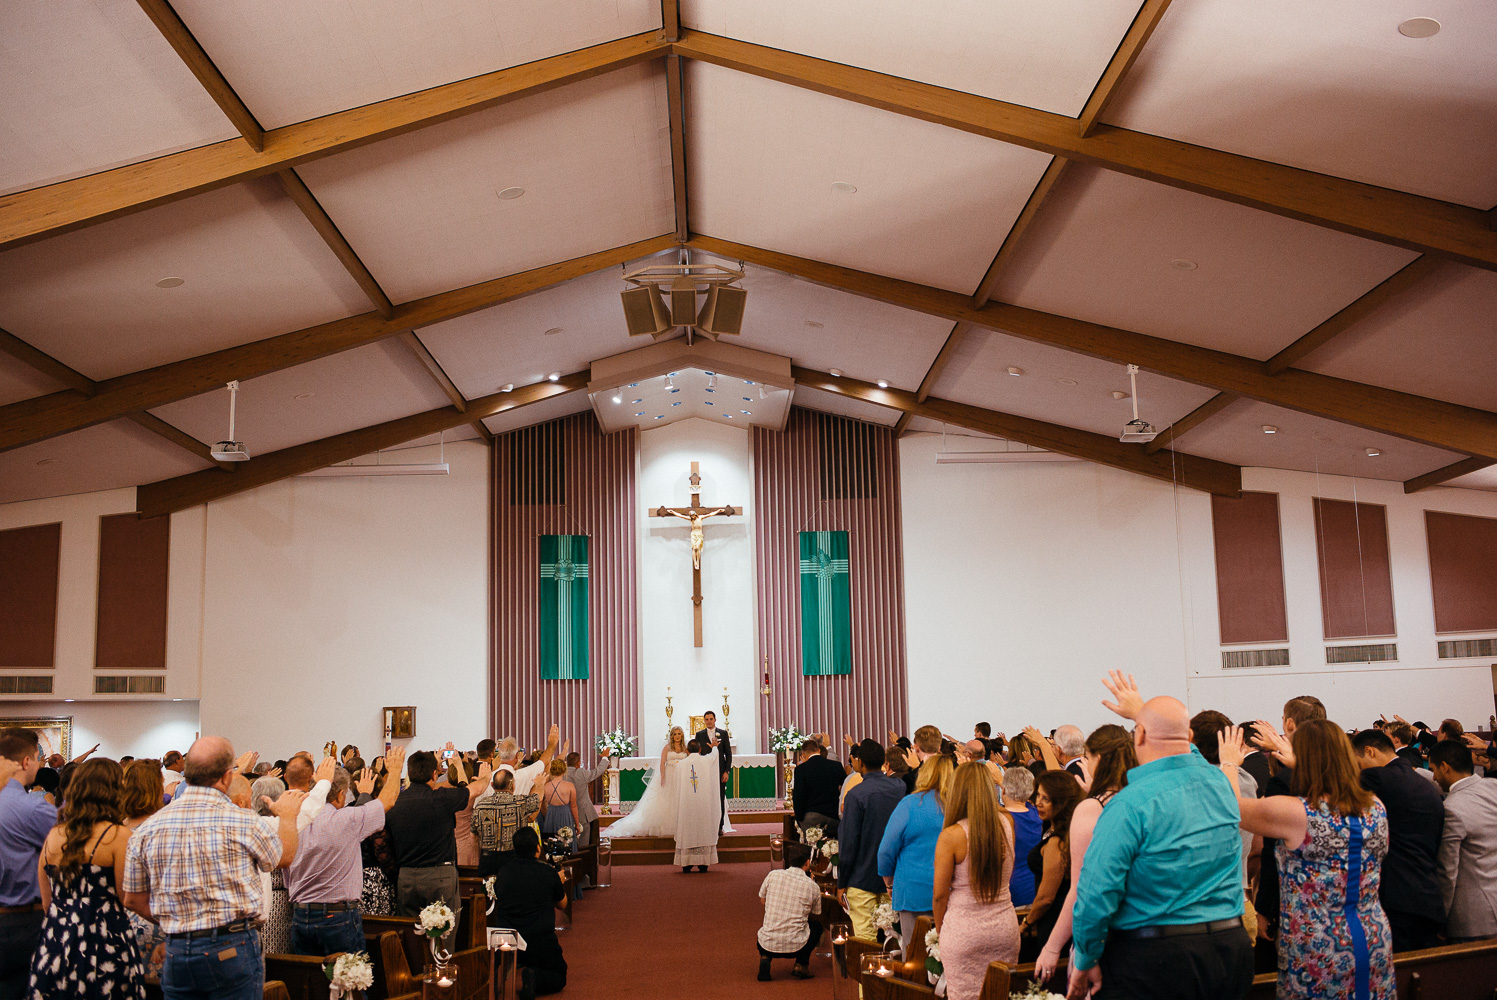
655 813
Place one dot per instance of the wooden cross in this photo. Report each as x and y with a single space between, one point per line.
695 515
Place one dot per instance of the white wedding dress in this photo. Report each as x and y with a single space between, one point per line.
655 813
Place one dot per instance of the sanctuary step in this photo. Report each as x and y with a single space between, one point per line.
735 816
748 843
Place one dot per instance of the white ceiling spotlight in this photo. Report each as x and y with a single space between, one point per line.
507 387
1136 431
648 313
618 397
834 372
843 187
171 282
883 383
1270 429
230 450
1373 452
1419 27
1016 372
511 193
554 377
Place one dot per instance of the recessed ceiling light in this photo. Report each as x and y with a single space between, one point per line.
710 403
748 382
747 413
675 390
677 403
171 282
1015 371
45 461
661 417
843 187
1119 394
1270 429
883 383
1419 27
1065 381
814 325
640 413
554 331
1373 453
507 387
618 398
511 193
747 399
636 401
634 385
302 395
835 372
1183 264
728 415
554 376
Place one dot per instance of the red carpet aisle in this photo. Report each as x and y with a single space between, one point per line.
627 944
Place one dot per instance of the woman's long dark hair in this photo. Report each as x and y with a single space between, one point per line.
93 798
1064 793
1113 746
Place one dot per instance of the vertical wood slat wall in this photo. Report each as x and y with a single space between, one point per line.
1356 577
597 475
788 491
1249 568
133 559
29 567
1463 571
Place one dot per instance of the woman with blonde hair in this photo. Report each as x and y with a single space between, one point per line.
654 815
1334 938
907 854
558 799
974 913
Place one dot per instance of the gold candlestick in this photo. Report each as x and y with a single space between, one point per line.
727 726
669 711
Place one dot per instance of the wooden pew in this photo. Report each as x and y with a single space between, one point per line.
301 975
847 964
276 991
473 968
1452 972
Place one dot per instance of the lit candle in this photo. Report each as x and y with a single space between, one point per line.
883 970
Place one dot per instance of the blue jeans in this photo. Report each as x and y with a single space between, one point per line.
317 932
221 967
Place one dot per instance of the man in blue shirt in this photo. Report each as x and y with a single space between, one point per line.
25 821
1159 903
865 814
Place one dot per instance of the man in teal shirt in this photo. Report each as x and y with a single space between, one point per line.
1159 903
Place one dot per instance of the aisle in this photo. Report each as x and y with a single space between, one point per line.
629 940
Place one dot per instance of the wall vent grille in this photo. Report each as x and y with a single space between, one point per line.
1378 652
1456 649
26 684
129 684
1233 659
849 458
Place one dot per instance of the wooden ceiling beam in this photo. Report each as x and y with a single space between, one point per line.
296 189
1455 470
181 39
1148 18
26 216
47 416
937 366
1010 245
676 108
171 495
435 370
1458 428
1395 217
1190 421
1203 474
670 19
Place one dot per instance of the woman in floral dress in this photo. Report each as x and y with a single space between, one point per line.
1334 939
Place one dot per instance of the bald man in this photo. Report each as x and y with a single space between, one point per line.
1161 888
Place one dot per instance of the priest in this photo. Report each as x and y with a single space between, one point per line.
697 817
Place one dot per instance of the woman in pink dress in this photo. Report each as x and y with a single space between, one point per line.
974 913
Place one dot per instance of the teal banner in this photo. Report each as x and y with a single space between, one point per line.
563 605
825 604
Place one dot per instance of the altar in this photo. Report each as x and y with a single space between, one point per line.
751 786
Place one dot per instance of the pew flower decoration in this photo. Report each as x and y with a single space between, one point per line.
1035 991
884 918
616 743
787 740
349 973
488 890
813 836
435 921
933 967
831 851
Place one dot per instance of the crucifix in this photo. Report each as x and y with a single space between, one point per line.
695 515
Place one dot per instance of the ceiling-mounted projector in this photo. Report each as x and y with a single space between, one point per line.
230 450
1136 431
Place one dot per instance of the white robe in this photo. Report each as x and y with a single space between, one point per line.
695 781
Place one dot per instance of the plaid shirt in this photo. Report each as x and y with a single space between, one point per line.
498 815
200 859
790 897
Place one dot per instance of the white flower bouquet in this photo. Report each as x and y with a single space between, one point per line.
351 971
813 836
436 920
884 917
1035 991
787 740
566 835
933 966
617 743
830 850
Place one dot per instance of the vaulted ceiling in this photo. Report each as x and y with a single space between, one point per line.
390 221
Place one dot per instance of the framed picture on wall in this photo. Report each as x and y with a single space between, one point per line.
56 735
400 722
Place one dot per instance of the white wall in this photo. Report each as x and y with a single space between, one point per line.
696 677
1025 583
143 729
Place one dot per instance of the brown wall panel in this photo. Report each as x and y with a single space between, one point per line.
28 595
1356 581
1249 568
1463 571
133 555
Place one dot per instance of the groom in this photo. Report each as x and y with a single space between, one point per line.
712 736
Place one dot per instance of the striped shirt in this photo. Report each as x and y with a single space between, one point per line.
200 859
496 818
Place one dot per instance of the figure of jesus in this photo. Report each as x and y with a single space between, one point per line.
695 519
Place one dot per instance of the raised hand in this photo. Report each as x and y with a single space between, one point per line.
893 737
246 762
1125 690
1473 741
1034 736
1229 746
1272 742
554 736
848 740
394 760
274 772
325 770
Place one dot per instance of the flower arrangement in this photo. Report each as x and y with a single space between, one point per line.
813 835
933 966
884 917
436 920
1035 991
351 971
787 740
617 743
830 850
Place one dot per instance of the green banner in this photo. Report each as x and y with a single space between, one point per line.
825 604
564 607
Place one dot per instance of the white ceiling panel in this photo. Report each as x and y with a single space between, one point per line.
1308 444
332 395
20 381
831 402
508 343
1046 54
252 265
692 392
291 60
1484 479
102 457
1332 87
538 413
423 210
1436 339
91 85
1059 386
932 204
1113 249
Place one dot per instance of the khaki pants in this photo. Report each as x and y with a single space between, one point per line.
1250 920
860 906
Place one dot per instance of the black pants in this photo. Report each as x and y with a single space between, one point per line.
544 959
19 933
1412 931
802 957
1190 967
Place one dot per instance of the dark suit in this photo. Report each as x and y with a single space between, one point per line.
1410 891
724 765
1268 899
818 786
1412 755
